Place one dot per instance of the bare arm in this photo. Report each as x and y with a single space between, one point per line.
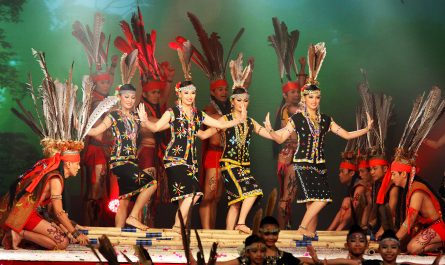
62 216
206 133
261 131
335 128
102 127
415 204
223 124
281 135
162 124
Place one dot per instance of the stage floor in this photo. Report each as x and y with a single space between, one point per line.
160 255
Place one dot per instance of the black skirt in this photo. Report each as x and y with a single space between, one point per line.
239 183
131 180
182 182
312 183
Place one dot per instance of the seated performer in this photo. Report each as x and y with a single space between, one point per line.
254 253
356 244
389 249
42 185
423 207
269 231
22 208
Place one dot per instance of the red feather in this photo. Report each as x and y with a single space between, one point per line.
122 45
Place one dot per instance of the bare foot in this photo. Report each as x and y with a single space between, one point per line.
133 221
176 229
243 228
16 239
303 231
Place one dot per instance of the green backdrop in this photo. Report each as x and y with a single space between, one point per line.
399 43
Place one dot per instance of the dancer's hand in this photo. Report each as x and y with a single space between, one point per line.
82 239
369 121
141 113
302 60
267 124
243 113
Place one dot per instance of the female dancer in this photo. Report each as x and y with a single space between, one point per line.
180 158
309 162
241 188
132 181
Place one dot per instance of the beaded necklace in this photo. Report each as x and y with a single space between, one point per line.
314 124
241 131
129 125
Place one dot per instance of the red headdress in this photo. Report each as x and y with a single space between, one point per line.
212 63
423 115
61 140
153 74
285 43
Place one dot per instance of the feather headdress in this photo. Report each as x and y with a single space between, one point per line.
136 37
379 107
423 115
241 76
96 46
212 62
285 44
64 118
185 52
315 57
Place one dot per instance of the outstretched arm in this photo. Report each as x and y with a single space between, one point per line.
223 124
102 127
161 124
261 131
281 135
206 133
335 128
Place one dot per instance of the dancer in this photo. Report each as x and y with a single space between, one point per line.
213 65
97 149
309 162
184 120
289 106
156 79
422 206
125 124
241 188
32 209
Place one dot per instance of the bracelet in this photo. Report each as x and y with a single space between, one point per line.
60 213
271 130
76 233
56 197
259 130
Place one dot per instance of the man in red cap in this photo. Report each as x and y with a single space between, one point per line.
20 215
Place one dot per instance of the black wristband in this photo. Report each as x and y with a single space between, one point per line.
76 233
